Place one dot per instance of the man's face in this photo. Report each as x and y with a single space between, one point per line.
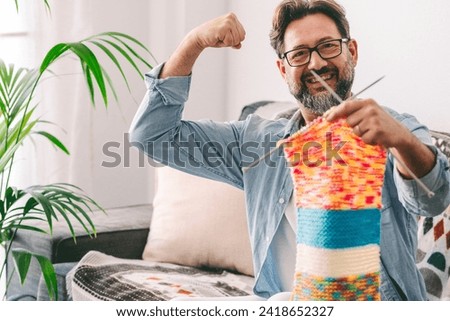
338 72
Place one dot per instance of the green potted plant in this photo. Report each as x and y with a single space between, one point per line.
20 208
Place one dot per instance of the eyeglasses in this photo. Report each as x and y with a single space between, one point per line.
327 50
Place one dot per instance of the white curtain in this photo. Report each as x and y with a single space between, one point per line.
64 100
85 130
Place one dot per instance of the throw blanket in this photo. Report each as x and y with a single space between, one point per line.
338 180
102 277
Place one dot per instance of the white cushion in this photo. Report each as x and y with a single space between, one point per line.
198 222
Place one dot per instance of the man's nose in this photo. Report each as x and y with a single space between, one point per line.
316 62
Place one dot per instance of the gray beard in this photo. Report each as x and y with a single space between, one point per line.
318 104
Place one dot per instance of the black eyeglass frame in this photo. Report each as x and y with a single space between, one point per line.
315 49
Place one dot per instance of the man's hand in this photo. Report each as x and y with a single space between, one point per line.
224 31
221 32
376 127
371 122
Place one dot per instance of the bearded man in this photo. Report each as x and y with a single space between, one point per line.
307 36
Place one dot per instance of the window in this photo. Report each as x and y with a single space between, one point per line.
14 33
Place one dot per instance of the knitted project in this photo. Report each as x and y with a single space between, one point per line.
338 180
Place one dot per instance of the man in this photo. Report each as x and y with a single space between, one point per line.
307 36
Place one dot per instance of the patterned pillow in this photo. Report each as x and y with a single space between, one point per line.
433 254
101 277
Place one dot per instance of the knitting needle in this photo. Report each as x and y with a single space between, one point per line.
331 91
279 144
363 90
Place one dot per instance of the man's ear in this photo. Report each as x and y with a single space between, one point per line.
281 68
353 48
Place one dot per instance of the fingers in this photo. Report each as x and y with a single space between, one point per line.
345 109
221 32
234 33
362 115
240 31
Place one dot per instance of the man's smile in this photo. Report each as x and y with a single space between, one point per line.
314 86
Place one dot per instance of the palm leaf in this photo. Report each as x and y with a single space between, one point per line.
21 226
111 85
124 54
12 195
10 146
47 6
22 260
89 82
66 200
92 69
113 59
16 135
51 202
44 203
131 39
15 89
55 141
90 60
48 271
21 91
132 51
52 55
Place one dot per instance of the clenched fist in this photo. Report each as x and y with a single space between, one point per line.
224 31
221 32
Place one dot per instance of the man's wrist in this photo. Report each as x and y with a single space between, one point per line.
418 157
182 60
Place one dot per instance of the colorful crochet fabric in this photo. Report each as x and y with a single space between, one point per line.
338 180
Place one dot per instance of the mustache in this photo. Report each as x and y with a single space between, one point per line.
320 72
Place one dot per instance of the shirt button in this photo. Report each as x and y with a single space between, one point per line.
281 201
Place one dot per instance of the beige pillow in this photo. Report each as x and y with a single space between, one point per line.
198 222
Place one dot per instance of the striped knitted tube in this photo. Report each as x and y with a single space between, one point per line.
338 180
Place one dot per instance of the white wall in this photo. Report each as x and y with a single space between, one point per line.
400 42
169 22
253 74
404 40
407 43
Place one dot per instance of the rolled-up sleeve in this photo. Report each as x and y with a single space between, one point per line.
168 94
204 148
413 197
416 199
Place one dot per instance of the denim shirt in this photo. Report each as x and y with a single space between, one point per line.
218 151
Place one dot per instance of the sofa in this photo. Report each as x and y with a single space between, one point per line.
191 241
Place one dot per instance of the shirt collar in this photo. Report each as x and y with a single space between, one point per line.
293 125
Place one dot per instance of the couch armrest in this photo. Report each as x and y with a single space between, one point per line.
121 232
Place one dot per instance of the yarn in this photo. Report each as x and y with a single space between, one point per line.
337 189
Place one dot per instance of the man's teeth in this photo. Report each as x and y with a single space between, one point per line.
314 80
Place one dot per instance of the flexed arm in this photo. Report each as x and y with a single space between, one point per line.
158 128
224 31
